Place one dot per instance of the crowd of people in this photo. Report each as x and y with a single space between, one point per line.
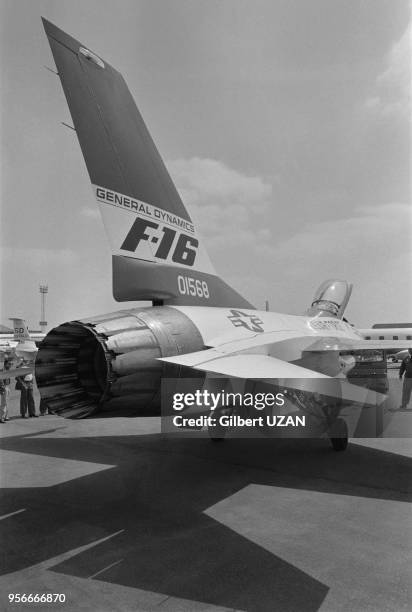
24 384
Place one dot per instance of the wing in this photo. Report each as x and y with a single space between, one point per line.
277 372
383 345
242 365
289 344
27 347
16 372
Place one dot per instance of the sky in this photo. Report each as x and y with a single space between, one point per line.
285 125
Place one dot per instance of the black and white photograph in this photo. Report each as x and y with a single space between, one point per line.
205 305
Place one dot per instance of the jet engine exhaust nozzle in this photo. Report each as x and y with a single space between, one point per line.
111 360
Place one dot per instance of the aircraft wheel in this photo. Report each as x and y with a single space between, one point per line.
338 435
217 433
222 439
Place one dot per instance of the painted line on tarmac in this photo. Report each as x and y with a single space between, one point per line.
12 514
106 568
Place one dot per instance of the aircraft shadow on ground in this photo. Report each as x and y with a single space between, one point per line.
157 492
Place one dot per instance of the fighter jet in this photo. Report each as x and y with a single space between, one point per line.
18 355
197 326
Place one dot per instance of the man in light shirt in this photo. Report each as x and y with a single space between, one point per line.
27 398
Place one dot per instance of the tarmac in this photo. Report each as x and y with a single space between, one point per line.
115 516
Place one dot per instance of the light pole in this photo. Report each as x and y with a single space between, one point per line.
44 289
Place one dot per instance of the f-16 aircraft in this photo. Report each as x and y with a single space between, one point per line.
198 325
18 353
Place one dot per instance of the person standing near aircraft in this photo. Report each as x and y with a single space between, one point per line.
20 386
406 371
43 408
25 385
28 381
4 395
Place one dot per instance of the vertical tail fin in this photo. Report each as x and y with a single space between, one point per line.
21 331
157 252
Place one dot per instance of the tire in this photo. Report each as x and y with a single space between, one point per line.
217 433
338 435
216 439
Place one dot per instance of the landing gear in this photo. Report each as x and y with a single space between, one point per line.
338 435
217 433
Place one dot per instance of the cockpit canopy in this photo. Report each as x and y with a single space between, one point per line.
331 299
